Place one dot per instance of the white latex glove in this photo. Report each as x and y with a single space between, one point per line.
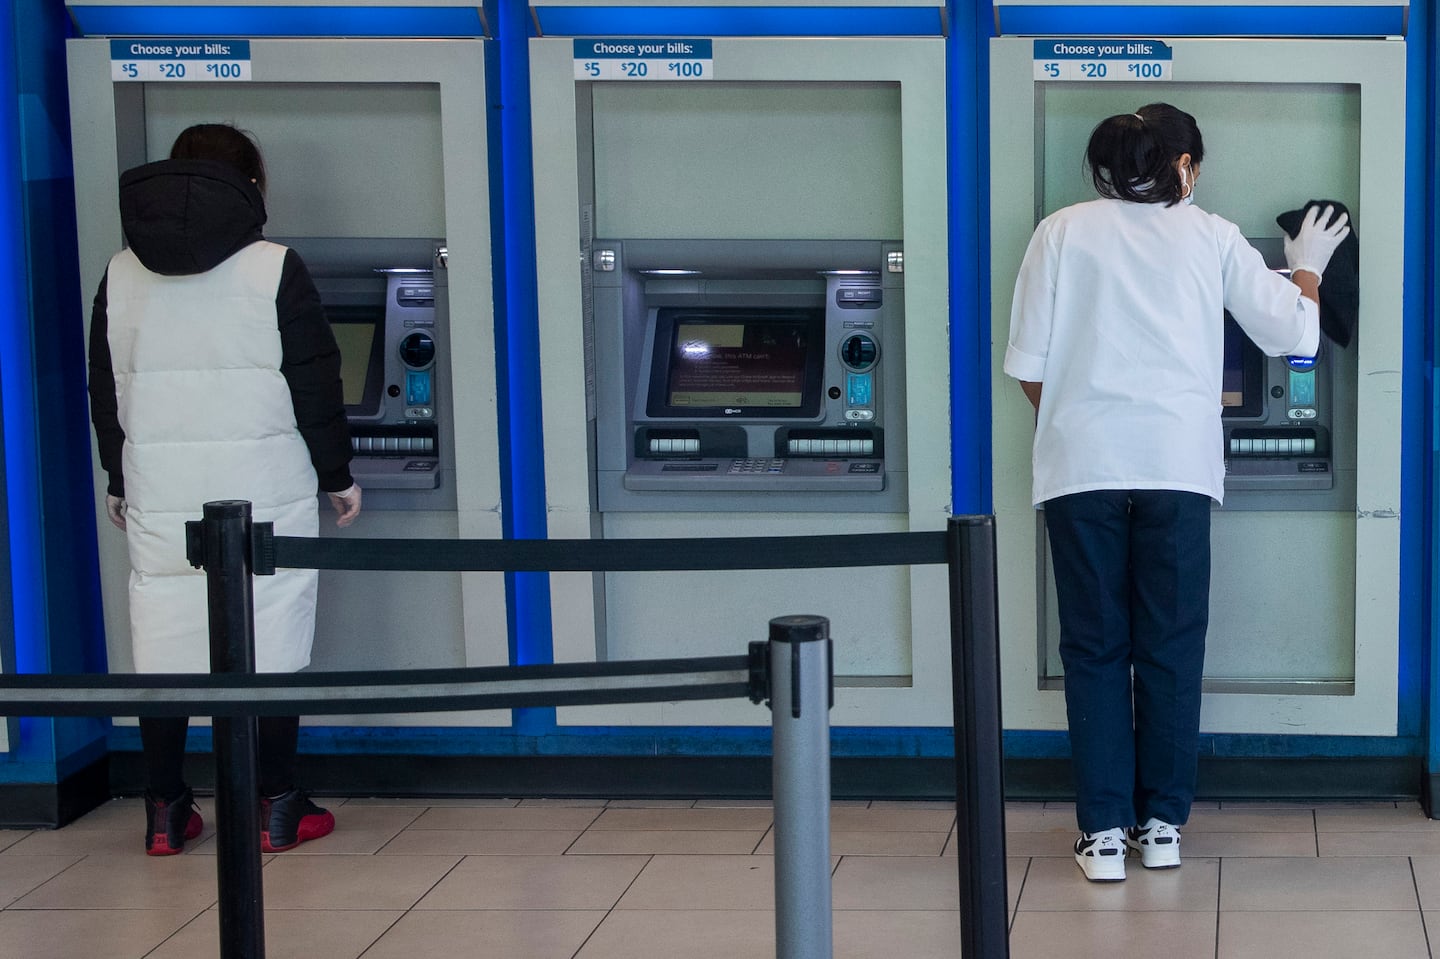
115 509
347 504
1312 246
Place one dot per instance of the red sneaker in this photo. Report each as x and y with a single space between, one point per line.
290 819
169 824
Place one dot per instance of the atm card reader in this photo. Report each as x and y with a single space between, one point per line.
757 399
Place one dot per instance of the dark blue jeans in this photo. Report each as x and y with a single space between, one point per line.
1132 578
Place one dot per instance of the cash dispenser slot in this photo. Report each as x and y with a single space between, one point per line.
831 443
1301 441
671 442
402 456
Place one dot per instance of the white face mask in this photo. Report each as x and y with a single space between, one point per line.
1188 185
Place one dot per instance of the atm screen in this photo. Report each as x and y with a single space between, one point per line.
360 334
1242 383
737 362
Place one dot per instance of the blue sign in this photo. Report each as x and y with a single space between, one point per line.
185 60
643 58
1081 59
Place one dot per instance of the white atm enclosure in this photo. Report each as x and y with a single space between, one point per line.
801 156
375 151
1304 628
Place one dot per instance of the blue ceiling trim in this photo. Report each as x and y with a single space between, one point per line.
277 21
1263 20
741 21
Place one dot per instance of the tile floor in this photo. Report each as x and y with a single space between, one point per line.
558 879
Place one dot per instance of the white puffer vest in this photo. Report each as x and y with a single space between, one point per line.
207 416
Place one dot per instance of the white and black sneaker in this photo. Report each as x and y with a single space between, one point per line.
1157 842
1102 855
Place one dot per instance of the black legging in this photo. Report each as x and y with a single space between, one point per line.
163 740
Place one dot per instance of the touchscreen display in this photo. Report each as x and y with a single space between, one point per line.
738 364
741 361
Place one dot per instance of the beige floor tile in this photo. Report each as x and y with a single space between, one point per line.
90 842
637 842
932 805
425 801
1058 885
1427 882
650 804
352 882
703 882
759 802
1408 817
892 819
1281 885
1339 804
1249 820
889 883
1253 845
914 935
92 933
289 934
1253 935
1101 935
9 837
1028 844
654 818
517 817
535 882
1032 817
22 874
570 801
135 881
1409 843
666 934
513 935
861 842
480 842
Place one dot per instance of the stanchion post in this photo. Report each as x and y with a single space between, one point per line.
225 548
801 674
979 777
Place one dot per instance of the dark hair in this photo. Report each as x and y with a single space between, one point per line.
1132 155
222 142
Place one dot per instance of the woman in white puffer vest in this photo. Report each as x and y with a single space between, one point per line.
214 375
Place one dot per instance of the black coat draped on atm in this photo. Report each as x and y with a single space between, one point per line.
1340 290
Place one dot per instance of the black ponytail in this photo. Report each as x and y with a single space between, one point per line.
1132 155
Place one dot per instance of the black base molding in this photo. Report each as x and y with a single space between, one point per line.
1430 795
741 777
52 805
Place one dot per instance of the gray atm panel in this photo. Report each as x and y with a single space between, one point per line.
764 372
1284 444
385 304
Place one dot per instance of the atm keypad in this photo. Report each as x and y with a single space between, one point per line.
746 466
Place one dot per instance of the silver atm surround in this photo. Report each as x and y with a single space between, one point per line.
386 301
1305 611
839 448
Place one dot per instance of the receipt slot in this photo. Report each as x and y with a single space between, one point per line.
1304 618
370 147
743 329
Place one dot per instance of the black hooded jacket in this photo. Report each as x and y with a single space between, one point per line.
185 217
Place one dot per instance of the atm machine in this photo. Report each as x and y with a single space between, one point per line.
371 147
743 330
1304 624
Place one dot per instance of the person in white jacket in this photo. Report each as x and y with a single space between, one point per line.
214 375
1116 337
